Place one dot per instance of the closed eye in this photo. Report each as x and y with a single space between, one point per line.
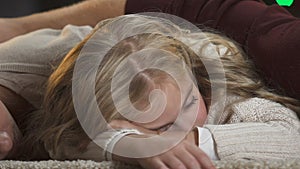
190 103
163 128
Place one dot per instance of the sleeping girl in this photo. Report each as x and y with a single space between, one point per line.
144 90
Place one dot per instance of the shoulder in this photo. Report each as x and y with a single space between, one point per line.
43 46
256 103
260 109
49 37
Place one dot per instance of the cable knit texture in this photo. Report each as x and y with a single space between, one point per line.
257 129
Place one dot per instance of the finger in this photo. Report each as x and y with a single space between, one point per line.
152 163
202 158
173 162
188 159
124 124
118 124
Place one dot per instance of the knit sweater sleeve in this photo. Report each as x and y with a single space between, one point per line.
258 129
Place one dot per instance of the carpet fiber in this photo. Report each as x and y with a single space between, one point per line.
287 164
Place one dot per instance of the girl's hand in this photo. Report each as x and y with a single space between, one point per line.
185 155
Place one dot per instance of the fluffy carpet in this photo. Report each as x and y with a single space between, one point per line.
286 164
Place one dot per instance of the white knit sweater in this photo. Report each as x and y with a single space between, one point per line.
257 129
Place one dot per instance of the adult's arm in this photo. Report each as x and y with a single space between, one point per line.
269 34
85 13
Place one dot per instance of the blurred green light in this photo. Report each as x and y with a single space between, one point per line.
285 2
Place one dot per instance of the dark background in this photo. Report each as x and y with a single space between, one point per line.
14 8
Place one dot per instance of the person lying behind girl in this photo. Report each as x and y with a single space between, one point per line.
255 123
258 28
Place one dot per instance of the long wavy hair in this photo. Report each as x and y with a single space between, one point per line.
56 131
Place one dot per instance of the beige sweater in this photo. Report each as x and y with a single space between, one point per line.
27 61
258 128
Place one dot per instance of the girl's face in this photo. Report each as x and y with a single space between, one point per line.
191 101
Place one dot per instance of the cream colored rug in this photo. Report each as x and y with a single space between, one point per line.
80 164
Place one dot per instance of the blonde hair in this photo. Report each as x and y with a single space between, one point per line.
57 129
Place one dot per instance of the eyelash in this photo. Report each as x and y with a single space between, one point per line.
192 102
166 127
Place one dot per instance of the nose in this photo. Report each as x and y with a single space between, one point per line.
6 144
